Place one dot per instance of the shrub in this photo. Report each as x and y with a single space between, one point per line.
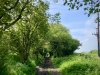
78 65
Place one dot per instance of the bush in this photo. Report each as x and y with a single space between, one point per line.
17 68
78 65
81 69
3 60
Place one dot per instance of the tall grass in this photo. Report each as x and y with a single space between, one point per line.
78 64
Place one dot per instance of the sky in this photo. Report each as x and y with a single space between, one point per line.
80 25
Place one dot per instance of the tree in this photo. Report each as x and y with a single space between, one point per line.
29 29
61 41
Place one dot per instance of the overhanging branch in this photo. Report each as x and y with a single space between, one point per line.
14 5
19 16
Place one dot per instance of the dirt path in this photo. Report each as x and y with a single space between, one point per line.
47 68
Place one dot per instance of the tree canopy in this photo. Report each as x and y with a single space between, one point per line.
29 29
11 12
61 41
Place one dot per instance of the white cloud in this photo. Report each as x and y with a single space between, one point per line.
89 41
76 30
88 44
91 21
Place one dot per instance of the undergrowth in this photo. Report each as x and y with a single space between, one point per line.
17 68
78 64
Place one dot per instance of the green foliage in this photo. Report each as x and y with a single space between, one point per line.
4 46
91 6
93 52
11 12
17 68
53 19
78 64
3 65
61 42
28 30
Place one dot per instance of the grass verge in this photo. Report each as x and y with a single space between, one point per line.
78 64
